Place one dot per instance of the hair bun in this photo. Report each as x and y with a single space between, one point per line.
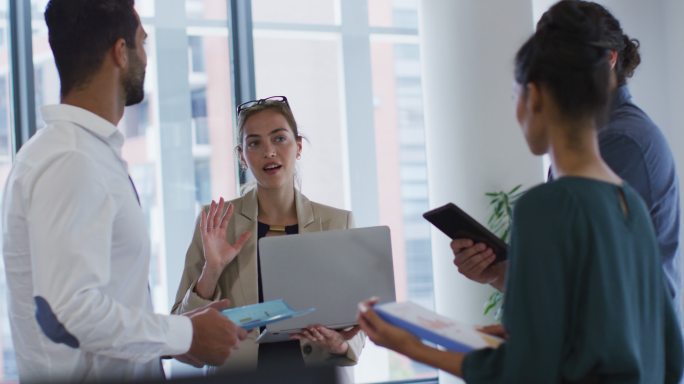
603 31
568 54
567 23
630 58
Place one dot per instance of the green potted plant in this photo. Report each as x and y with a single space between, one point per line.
499 222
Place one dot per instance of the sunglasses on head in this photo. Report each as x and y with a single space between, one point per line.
249 104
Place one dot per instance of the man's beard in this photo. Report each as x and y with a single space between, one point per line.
134 82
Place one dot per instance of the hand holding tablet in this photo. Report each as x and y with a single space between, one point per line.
457 224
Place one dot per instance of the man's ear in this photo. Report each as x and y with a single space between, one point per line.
612 58
119 53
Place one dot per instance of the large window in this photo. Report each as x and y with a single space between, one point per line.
321 58
401 159
351 71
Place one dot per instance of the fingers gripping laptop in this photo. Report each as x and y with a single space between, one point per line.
331 271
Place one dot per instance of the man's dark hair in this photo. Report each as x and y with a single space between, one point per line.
82 31
612 35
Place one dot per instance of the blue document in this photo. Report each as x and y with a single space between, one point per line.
435 328
258 315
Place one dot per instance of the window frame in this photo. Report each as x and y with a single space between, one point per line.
171 26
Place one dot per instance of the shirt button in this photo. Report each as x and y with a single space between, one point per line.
307 349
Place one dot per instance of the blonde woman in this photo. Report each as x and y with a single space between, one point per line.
223 259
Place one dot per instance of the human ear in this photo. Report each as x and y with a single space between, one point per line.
612 59
534 98
241 158
299 147
119 53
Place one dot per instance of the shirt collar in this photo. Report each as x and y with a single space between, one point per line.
87 120
620 97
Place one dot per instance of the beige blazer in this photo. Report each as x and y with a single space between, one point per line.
239 283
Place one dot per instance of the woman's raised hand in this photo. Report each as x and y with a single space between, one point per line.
218 252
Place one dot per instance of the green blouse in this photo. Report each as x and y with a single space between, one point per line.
585 295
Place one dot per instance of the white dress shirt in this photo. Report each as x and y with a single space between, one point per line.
77 253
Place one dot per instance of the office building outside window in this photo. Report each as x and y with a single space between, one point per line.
180 140
302 55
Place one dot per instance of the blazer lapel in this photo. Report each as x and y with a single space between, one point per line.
246 220
305 214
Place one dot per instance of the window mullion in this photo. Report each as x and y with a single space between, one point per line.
21 72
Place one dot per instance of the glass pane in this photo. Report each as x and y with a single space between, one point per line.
402 186
206 9
211 145
306 69
8 366
393 13
140 127
45 76
208 80
145 8
212 116
37 10
296 11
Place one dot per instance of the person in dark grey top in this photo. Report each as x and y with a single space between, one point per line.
585 300
634 148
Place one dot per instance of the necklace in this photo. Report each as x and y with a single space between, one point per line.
276 228
265 228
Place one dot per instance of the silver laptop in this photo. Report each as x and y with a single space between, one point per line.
331 271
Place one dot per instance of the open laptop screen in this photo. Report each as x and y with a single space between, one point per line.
330 270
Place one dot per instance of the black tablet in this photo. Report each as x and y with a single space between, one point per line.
457 224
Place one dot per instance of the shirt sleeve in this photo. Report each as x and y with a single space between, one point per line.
626 158
70 216
534 350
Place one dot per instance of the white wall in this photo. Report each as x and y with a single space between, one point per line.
474 144
673 55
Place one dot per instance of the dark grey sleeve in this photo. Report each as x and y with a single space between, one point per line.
626 158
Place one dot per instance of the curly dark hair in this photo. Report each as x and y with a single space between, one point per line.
626 47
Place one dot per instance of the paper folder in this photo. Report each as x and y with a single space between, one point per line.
258 315
435 328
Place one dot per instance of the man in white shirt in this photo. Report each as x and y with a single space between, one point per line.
76 248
